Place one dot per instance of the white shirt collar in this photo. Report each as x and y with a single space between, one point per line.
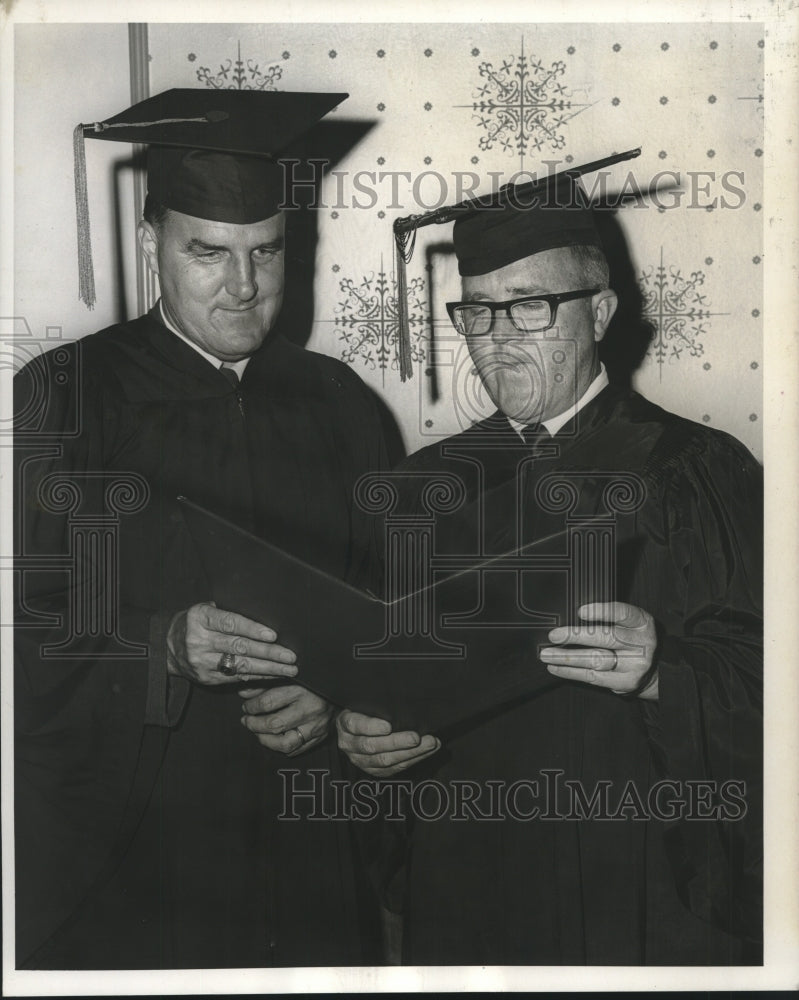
237 366
554 424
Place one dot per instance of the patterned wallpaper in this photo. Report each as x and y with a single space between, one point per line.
453 108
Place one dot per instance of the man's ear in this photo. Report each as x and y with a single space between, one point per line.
148 241
603 305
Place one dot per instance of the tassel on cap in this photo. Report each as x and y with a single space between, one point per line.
238 129
86 288
85 264
482 243
403 244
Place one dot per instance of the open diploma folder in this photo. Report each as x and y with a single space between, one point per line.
465 645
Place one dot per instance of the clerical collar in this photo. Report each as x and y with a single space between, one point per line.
237 366
554 424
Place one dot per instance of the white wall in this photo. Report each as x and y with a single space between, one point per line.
66 74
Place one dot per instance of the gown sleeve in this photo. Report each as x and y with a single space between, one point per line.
59 478
706 728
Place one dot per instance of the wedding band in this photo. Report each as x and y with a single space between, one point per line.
615 659
227 664
299 733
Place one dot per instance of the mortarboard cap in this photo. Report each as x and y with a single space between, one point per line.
211 153
508 225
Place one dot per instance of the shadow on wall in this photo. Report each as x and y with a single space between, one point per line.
322 148
330 141
432 251
297 314
121 169
629 335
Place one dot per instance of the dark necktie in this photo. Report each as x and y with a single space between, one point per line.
534 434
230 375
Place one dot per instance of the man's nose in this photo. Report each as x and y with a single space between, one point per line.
240 280
503 328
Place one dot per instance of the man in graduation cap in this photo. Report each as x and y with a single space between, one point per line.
654 711
147 746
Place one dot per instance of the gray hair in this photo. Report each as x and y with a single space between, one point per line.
593 264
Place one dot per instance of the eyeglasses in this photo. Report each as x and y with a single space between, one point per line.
532 314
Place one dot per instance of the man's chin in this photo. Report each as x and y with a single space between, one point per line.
243 338
518 396
524 411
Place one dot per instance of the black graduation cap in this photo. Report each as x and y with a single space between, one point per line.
212 153
513 223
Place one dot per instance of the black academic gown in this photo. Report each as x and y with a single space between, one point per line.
641 888
146 815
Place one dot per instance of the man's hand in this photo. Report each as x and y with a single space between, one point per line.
373 747
620 641
289 719
198 638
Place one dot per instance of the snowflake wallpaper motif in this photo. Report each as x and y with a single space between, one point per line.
678 310
523 104
367 321
239 74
